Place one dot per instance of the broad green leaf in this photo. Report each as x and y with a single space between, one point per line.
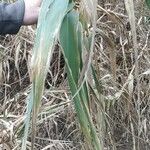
70 26
50 19
72 45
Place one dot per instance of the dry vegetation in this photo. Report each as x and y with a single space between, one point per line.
125 99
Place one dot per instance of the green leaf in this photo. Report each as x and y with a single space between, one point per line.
50 19
71 40
70 44
148 3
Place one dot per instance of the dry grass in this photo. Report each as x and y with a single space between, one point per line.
126 118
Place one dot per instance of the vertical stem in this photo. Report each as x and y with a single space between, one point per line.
130 9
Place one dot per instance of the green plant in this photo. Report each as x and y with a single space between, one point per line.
61 18
148 3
